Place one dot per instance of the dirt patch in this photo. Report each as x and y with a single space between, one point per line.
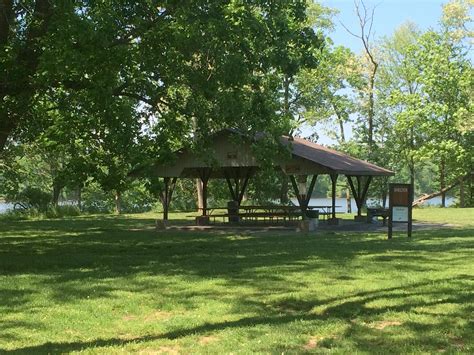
312 343
158 315
129 317
384 324
457 342
208 339
172 350
155 316
169 350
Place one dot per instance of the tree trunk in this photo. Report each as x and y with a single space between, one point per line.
348 200
340 121
284 199
470 188
200 196
461 193
79 198
371 108
118 202
56 193
411 166
423 198
286 95
366 20
442 181
384 199
341 131
284 190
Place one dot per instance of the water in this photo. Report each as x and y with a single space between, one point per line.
341 203
4 207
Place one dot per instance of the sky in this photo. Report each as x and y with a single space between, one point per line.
389 15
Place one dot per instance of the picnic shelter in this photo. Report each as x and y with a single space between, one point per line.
230 155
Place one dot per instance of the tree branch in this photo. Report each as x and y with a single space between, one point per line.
425 197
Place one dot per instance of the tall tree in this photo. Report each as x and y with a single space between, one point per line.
327 93
365 34
398 90
427 80
446 76
216 63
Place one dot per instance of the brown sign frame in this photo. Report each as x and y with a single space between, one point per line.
400 197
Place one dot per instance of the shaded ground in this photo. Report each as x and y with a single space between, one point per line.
110 284
323 227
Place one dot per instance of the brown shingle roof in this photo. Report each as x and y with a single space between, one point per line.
339 162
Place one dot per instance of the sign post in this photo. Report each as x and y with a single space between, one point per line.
400 203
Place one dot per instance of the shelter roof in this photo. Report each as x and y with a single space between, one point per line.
230 152
332 159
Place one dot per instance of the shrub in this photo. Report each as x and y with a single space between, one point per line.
32 197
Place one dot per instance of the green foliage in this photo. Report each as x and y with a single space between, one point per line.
32 197
104 87
185 195
428 90
95 200
265 187
136 199
328 91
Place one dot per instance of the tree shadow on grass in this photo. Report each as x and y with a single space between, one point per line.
93 255
285 312
73 258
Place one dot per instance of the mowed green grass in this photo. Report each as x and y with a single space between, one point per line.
112 284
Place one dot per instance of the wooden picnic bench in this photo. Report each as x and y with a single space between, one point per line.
270 213
259 216
377 212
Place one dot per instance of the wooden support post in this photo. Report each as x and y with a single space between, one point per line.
244 184
366 189
297 191
204 174
353 189
360 194
303 200
204 197
333 195
237 190
164 199
167 195
231 188
310 190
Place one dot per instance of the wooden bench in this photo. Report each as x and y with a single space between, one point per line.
264 213
259 216
377 212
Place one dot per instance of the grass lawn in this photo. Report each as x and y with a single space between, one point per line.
108 284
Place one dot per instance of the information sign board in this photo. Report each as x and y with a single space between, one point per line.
400 214
401 199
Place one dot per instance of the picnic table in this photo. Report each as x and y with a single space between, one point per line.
270 213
